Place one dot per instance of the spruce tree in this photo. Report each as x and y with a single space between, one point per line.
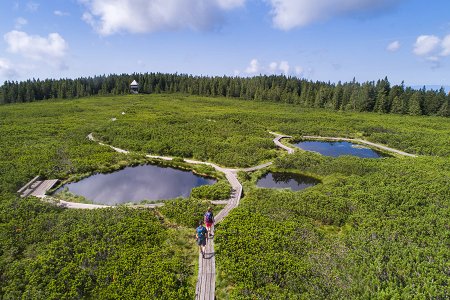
397 106
414 105
444 111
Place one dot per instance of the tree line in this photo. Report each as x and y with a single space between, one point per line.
370 96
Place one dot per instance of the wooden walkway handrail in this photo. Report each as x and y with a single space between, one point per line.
22 189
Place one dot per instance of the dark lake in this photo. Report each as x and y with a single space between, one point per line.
134 184
340 148
280 180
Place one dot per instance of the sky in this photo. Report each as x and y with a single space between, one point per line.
326 40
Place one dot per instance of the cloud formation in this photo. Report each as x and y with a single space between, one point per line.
60 13
6 69
32 6
426 44
51 49
432 48
288 14
141 16
20 22
282 67
446 46
393 47
254 67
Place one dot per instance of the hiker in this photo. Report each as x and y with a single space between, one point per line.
200 236
209 220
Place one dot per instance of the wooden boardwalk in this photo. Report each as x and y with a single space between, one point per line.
37 188
277 142
206 281
256 168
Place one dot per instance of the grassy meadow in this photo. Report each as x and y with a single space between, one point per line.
374 228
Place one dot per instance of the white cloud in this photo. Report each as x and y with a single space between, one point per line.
288 14
432 58
446 46
284 67
253 68
274 67
230 4
432 49
6 69
51 49
393 47
20 22
60 13
426 44
32 6
140 16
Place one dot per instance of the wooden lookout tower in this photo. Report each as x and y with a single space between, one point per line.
134 87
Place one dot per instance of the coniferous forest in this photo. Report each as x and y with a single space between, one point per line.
370 96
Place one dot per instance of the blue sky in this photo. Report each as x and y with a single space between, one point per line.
327 40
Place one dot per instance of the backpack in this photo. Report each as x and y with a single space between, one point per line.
201 232
209 217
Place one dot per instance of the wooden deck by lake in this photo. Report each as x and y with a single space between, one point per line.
36 187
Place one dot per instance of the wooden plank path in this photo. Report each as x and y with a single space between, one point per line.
256 168
37 187
206 281
277 142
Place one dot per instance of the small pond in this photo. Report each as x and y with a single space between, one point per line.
134 184
340 148
281 180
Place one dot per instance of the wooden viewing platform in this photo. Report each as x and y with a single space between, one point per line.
36 187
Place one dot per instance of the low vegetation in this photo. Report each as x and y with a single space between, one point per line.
373 228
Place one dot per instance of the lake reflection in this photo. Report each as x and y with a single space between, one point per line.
280 180
134 184
336 149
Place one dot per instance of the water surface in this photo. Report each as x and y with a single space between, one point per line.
134 184
283 180
340 148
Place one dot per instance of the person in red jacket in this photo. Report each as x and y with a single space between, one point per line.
209 220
